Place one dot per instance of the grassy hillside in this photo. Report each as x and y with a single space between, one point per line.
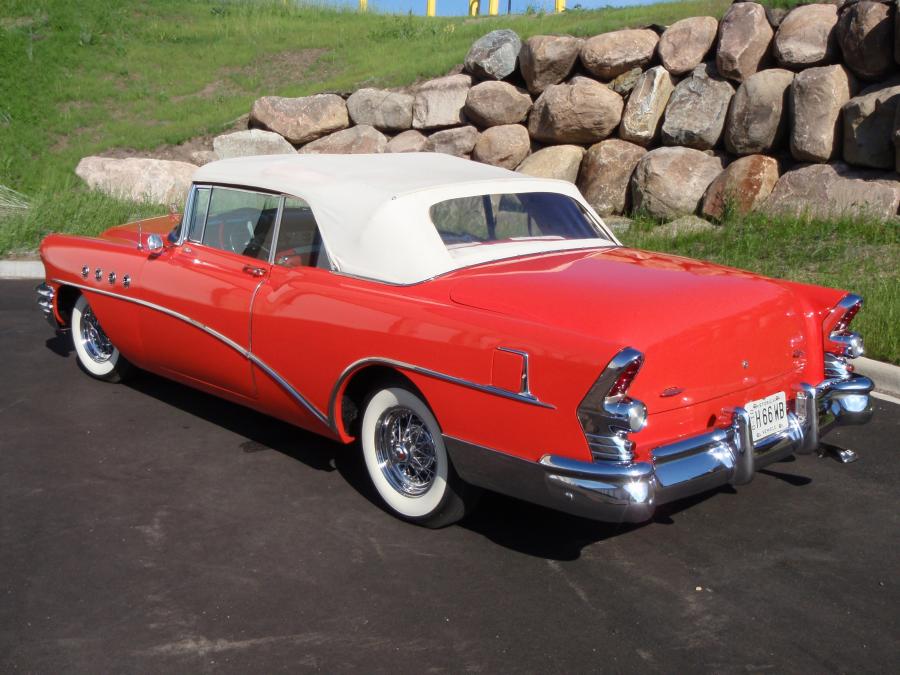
80 78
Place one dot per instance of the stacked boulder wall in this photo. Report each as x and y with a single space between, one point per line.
561 162
583 112
745 39
743 186
606 173
758 117
301 120
695 116
670 182
138 179
817 96
869 126
835 190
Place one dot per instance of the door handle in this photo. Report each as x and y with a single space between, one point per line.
254 271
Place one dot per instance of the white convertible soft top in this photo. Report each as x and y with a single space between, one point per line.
373 210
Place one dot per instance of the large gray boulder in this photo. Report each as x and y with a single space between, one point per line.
506 145
494 56
697 109
303 119
807 37
547 59
250 142
743 186
558 161
869 126
611 54
866 36
606 172
361 139
758 117
439 103
493 103
745 37
684 44
835 190
583 112
412 140
646 105
817 95
459 141
138 179
382 109
670 182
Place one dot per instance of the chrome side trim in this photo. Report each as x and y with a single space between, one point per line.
284 384
296 395
530 399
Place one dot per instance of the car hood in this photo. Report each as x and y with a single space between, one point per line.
705 330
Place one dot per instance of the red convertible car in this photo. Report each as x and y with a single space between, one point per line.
470 327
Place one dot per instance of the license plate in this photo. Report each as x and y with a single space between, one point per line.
767 416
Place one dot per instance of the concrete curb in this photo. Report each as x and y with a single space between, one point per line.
21 269
885 375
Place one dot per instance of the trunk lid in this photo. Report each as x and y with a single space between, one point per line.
705 330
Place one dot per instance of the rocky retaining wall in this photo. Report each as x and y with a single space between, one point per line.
786 112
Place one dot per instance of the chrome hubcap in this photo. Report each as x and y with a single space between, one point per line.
93 339
406 452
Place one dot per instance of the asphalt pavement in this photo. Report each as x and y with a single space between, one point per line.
149 528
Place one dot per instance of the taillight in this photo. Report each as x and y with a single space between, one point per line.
620 386
607 415
838 339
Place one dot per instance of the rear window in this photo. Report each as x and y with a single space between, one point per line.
511 217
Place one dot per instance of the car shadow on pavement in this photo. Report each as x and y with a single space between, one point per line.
544 533
261 431
517 525
61 345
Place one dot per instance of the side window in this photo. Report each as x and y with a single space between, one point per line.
299 242
198 214
241 221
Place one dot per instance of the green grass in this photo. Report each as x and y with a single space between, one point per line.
80 78
861 256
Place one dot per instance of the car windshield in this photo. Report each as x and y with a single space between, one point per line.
487 219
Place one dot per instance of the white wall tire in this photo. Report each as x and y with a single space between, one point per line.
407 462
97 356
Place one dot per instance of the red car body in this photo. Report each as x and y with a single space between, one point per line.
504 353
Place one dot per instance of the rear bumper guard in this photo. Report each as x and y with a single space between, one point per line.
631 492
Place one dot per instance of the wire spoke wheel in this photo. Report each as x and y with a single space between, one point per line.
93 339
405 451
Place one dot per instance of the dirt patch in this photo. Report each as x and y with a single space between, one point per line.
291 66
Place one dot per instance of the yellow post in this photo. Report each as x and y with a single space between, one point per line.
560 6
429 7
363 5
493 7
474 7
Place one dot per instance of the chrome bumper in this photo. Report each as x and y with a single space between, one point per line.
44 300
630 492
